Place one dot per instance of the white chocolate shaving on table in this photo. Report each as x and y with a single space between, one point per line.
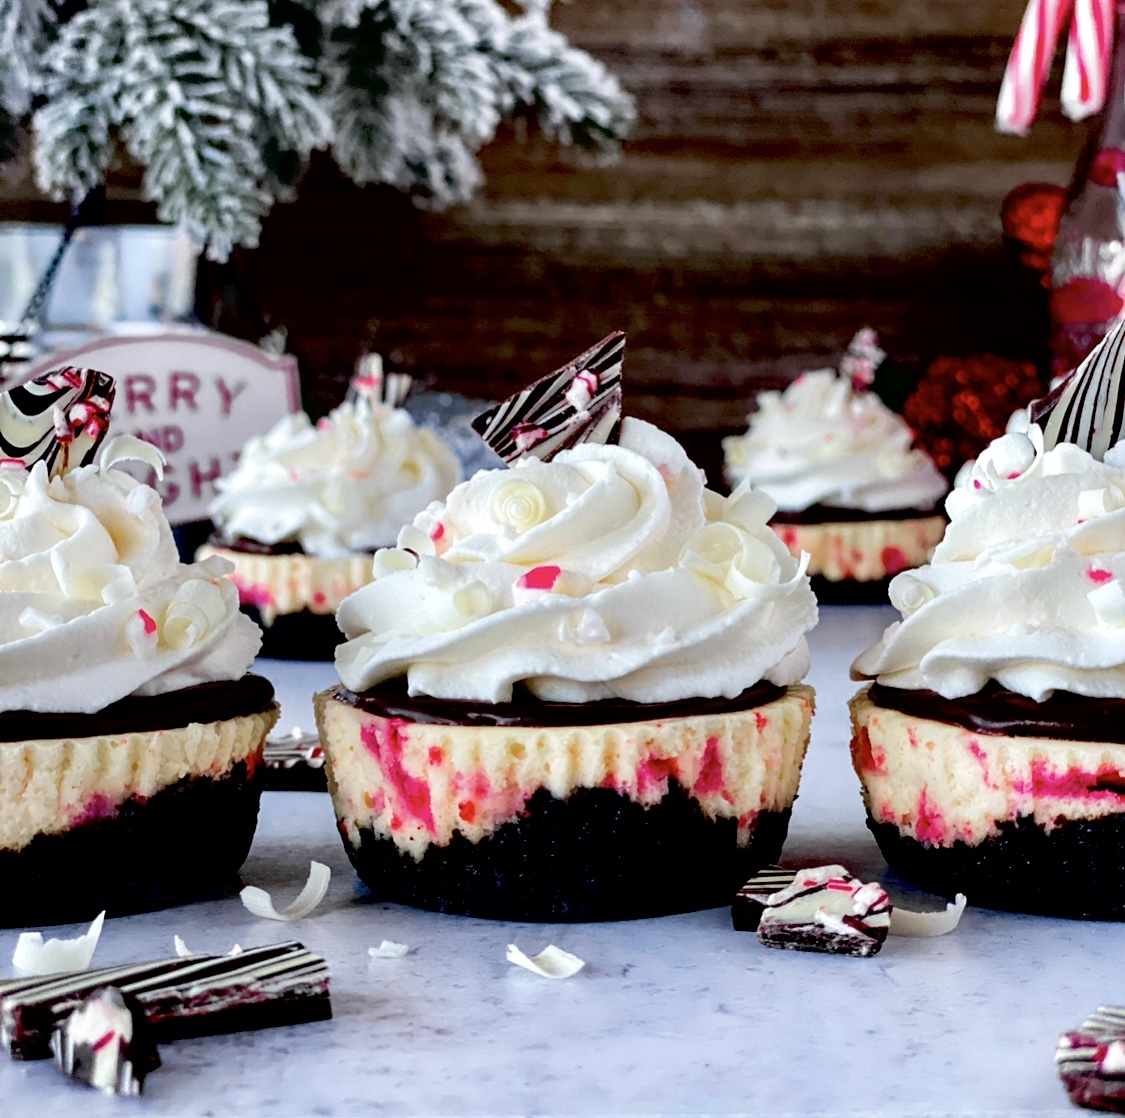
388 950
907 923
551 962
260 903
185 952
57 956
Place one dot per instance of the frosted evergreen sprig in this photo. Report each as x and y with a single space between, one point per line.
222 101
26 27
197 90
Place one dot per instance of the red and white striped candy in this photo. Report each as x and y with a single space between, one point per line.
1087 58
1030 63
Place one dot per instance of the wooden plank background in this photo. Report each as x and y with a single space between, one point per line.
800 168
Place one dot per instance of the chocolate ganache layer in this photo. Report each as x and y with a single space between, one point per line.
390 700
206 702
996 710
828 514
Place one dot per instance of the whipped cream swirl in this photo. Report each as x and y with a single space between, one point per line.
94 602
609 571
821 443
1026 587
345 485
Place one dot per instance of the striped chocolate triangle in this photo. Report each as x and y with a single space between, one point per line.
580 403
1088 408
201 995
60 418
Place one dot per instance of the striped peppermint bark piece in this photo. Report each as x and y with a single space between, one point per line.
750 901
60 418
579 403
200 995
1088 408
106 1042
1091 1060
1029 64
1086 73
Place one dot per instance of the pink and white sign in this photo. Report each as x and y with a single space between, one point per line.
196 395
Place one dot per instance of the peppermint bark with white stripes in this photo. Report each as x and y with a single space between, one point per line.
579 403
282 984
750 901
1091 1060
107 1043
1088 408
60 418
826 909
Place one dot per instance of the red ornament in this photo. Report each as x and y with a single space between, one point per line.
1106 166
962 403
1030 216
1085 299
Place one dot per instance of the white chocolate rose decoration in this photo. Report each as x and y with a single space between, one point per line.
607 571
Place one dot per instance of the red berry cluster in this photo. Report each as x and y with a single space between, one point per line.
962 403
1030 216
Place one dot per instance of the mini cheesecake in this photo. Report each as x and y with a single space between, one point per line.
1019 805
150 802
291 595
534 810
854 555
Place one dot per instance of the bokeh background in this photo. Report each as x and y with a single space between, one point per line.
800 168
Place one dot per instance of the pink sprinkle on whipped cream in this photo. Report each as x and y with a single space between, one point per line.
147 621
1098 576
539 578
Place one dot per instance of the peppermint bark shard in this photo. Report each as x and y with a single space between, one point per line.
1088 408
1091 1061
106 1042
579 403
750 901
283 984
60 419
825 909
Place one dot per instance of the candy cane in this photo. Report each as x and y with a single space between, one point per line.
1029 64
1087 58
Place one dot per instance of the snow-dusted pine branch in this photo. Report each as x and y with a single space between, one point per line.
196 89
222 101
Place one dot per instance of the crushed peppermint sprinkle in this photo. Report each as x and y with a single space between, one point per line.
539 578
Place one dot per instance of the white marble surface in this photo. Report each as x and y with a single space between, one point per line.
674 1016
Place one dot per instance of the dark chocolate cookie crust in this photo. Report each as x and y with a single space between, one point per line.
850 591
1077 869
185 843
596 855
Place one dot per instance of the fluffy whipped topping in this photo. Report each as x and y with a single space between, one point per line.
346 484
94 602
1025 588
821 443
609 571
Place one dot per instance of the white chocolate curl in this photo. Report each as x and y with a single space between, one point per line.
1026 586
94 602
607 571
819 442
343 486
